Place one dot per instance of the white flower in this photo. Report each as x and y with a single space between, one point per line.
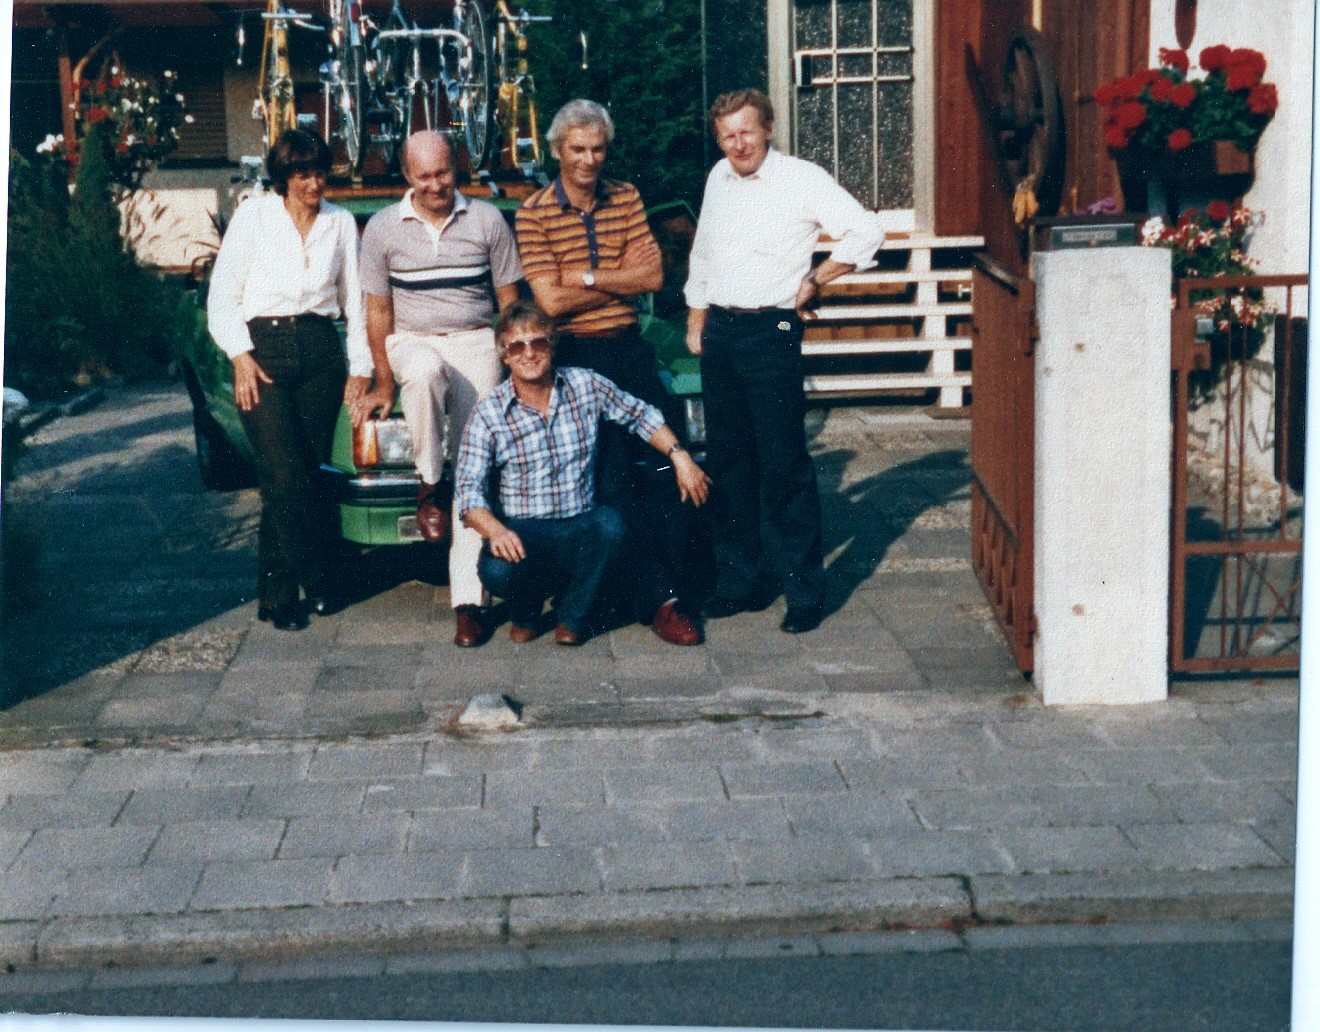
179 97
126 104
189 119
48 145
168 74
130 139
114 69
1151 230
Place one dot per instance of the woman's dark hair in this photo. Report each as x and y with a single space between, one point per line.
296 151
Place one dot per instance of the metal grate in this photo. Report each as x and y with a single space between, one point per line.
1236 531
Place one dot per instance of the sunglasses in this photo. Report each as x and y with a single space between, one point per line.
518 347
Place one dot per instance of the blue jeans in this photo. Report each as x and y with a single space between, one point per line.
578 548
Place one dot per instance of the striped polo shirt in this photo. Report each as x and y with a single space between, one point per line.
440 280
554 236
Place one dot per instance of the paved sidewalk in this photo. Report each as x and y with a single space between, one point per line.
184 784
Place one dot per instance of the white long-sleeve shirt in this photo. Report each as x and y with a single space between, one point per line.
266 268
757 233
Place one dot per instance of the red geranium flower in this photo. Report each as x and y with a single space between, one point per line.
1186 218
1182 95
1130 114
96 113
1161 88
1217 210
122 148
1214 59
1105 94
114 82
1175 59
1128 87
1116 138
1246 68
1180 139
1263 99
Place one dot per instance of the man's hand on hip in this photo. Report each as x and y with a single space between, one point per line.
808 295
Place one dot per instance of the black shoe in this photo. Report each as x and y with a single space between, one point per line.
264 613
800 619
288 617
753 602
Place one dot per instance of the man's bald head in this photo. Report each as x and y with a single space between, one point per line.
428 165
425 145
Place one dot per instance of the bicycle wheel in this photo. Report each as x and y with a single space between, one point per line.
475 93
350 62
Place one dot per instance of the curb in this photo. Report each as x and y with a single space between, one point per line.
717 913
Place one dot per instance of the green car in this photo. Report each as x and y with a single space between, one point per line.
371 472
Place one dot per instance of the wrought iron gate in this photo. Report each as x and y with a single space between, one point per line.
1003 448
1236 521
853 95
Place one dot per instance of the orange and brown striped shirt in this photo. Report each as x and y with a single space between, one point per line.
555 237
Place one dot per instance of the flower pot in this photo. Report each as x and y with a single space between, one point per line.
1212 170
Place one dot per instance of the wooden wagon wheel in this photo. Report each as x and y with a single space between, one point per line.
1029 126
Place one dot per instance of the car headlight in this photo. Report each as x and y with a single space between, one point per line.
382 442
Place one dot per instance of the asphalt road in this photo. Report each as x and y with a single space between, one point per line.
1215 977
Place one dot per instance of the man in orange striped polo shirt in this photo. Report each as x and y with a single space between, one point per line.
587 253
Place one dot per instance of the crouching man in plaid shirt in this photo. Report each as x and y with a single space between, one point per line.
536 434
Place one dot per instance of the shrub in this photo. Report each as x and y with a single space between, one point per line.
78 304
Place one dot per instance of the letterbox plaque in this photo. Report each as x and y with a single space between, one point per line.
1079 231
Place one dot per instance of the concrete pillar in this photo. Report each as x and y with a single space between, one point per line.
1102 475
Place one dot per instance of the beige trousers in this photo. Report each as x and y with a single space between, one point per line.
441 379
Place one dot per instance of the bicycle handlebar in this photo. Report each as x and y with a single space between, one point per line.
422 34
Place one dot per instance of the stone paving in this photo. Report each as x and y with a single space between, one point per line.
179 783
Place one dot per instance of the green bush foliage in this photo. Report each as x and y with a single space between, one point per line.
77 305
644 64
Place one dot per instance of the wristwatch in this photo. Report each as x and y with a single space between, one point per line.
588 279
677 446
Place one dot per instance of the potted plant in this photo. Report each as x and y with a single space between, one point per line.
1213 244
1184 132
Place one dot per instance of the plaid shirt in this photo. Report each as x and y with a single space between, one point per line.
545 462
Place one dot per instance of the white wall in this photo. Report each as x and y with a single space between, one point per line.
1282 30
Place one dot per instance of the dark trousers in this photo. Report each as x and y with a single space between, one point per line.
626 472
291 428
766 508
577 548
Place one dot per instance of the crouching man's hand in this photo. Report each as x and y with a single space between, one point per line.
693 483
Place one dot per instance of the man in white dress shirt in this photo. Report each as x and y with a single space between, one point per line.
749 288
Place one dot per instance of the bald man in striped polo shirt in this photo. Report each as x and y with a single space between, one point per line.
588 253
434 267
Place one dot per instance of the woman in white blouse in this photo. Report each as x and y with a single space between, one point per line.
287 268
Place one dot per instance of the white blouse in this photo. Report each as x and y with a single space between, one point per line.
266 268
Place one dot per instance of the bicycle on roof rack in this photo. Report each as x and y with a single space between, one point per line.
382 81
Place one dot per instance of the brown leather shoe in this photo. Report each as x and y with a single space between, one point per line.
674 626
468 629
432 520
520 635
565 635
